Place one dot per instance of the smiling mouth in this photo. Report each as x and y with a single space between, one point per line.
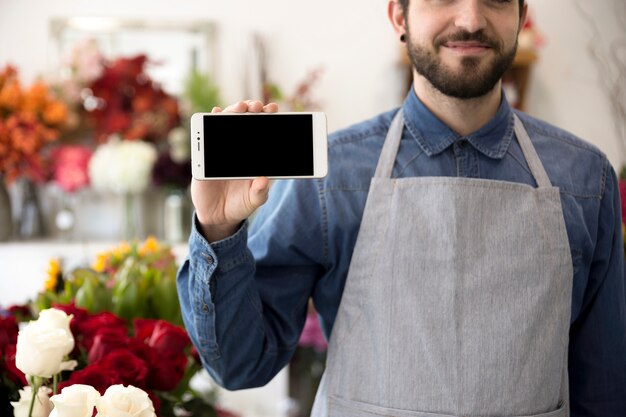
467 48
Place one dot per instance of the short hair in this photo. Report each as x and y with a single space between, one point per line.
405 4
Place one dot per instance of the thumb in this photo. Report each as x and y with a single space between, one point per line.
259 191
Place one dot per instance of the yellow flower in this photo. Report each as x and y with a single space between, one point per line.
151 245
100 262
122 250
54 272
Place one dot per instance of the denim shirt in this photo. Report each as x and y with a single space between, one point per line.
244 298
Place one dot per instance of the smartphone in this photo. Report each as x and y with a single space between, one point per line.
230 145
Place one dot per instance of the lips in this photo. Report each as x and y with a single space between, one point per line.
465 41
467 47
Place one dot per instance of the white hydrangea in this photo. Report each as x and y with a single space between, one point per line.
122 166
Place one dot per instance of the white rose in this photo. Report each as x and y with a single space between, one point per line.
43 344
42 405
121 401
122 166
75 401
55 319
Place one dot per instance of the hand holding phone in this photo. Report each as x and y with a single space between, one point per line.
222 205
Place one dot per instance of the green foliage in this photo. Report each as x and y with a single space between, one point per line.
133 280
201 92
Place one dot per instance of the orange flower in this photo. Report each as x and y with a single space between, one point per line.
28 121
36 97
55 113
11 96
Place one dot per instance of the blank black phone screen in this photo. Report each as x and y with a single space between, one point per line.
258 145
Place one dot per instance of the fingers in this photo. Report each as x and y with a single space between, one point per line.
259 190
251 106
270 108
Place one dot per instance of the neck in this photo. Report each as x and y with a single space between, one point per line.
464 116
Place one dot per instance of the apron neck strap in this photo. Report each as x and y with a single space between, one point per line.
394 134
390 147
532 159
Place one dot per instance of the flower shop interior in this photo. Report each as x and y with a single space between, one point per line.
95 101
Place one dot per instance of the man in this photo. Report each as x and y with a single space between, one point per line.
467 258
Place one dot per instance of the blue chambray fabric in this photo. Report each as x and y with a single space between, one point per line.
244 298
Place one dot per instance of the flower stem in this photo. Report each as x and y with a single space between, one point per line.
34 381
55 381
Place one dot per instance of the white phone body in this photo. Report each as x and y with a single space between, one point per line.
229 145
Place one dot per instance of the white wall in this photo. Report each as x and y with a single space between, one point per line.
353 42
566 85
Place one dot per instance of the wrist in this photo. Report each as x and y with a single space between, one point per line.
215 232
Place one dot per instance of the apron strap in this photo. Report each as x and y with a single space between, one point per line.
394 134
390 147
532 159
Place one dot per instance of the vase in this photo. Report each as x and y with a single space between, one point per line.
132 224
176 216
30 222
6 214
65 217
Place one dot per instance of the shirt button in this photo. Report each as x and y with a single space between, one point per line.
205 307
209 259
462 144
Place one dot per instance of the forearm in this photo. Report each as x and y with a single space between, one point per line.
242 344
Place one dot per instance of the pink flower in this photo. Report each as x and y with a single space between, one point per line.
71 167
312 335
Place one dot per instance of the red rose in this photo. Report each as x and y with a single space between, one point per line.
144 328
8 331
21 312
129 367
143 351
168 339
12 372
166 373
91 325
106 340
99 377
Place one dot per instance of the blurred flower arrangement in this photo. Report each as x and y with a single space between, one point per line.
30 119
114 324
69 166
136 279
124 100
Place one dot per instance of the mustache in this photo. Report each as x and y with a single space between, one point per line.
464 36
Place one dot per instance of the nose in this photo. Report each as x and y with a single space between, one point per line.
470 16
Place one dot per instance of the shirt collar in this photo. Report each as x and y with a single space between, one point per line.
434 136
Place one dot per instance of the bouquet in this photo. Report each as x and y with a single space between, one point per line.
30 119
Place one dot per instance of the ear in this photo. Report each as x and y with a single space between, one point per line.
523 17
396 16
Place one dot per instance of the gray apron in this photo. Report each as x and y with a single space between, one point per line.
457 301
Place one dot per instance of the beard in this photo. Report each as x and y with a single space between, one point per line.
471 81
